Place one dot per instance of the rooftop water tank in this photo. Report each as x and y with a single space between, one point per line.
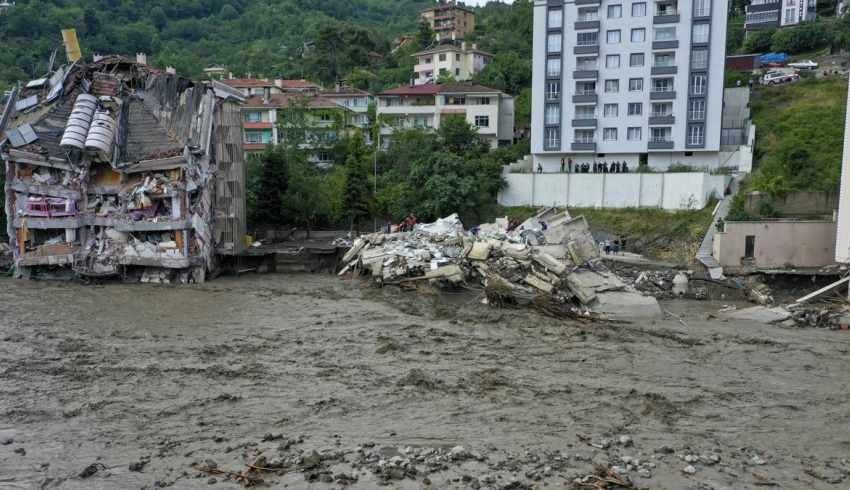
102 133
77 126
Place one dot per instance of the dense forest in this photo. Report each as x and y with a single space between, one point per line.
324 40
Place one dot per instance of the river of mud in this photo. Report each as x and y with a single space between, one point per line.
331 384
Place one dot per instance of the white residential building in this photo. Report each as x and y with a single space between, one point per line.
458 61
770 14
425 106
637 81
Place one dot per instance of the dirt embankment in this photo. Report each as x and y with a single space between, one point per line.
330 384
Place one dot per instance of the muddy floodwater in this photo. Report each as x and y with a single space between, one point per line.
336 384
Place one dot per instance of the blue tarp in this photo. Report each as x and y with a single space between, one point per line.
773 58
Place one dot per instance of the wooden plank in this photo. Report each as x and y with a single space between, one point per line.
822 291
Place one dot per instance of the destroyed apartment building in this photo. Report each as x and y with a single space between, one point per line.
551 262
115 168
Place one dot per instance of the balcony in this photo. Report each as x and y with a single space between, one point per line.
586 75
660 144
662 95
697 142
666 16
588 2
671 44
587 49
584 123
583 146
696 115
581 25
585 98
662 120
664 69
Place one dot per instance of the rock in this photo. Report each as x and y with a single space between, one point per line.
21 451
212 481
620 470
138 466
690 458
626 441
312 460
89 470
665 450
690 470
459 453
210 464
756 460
710 459
645 473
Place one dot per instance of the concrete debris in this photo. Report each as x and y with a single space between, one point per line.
551 262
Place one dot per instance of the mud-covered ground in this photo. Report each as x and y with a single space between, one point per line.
130 386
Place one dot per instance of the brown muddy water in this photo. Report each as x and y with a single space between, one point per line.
144 381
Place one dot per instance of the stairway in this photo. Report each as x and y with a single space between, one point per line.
523 166
705 255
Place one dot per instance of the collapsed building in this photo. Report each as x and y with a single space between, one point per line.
115 168
550 261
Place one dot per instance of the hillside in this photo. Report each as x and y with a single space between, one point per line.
325 40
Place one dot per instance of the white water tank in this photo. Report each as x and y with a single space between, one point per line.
101 133
77 126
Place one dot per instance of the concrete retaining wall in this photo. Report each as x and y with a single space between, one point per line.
668 190
779 244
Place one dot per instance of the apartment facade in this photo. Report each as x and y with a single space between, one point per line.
450 20
425 106
462 62
637 81
266 86
771 14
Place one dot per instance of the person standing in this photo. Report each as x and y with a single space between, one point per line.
570 165
563 165
539 168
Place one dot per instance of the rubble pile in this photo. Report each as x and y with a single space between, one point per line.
551 262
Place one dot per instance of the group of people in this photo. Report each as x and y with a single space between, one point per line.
408 224
567 165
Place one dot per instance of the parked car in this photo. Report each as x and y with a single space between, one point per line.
804 65
777 77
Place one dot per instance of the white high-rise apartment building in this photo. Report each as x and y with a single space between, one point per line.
636 81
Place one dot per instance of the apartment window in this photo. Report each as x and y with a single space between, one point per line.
483 100
457 72
634 134
700 33
553 90
696 109
639 9
790 16
665 34
586 63
665 59
635 84
553 43
615 11
553 114
585 88
635 108
482 121
457 57
609 134
552 139
702 8
696 134
253 117
662 109
612 61
662 85
698 84
442 56
556 19
613 37
257 137
699 59
587 38
588 15
638 35
636 59
455 100
324 156
584 135
611 110
665 8
660 135
325 117
762 17
612 86
553 67
585 111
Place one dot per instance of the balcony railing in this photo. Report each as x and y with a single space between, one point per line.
696 115
696 141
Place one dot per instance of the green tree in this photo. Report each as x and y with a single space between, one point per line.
425 35
357 195
458 136
508 72
272 187
759 41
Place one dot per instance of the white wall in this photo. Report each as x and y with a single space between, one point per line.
668 190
